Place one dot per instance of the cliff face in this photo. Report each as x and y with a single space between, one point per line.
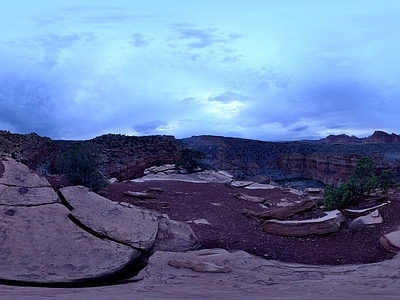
126 157
330 163
329 169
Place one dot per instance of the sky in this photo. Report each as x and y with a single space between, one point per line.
258 69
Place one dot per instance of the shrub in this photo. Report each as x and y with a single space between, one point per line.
80 164
191 160
362 181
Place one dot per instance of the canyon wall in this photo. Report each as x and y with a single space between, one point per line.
325 161
330 160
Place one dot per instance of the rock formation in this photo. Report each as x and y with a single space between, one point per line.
327 224
83 239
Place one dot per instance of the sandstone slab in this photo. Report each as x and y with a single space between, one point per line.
241 184
14 195
260 186
288 211
17 174
250 277
130 225
327 224
199 177
42 245
361 212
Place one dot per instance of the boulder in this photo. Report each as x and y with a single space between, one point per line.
288 211
200 222
141 195
391 241
174 236
327 224
372 218
129 225
250 198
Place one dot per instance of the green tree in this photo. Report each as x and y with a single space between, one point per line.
80 164
191 160
362 181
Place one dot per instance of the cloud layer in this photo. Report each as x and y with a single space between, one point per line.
264 70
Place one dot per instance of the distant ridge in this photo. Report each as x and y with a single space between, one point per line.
377 137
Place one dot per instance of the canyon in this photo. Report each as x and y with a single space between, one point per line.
329 160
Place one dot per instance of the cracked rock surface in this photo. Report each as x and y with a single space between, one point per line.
129 225
40 245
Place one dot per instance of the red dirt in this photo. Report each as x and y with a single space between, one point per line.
232 230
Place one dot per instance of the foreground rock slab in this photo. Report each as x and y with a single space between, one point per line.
172 275
41 245
129 225
327 224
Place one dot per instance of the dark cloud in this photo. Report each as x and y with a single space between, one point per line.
27 104
202 38
139 40
148 127
298 129
227 97
189 100
53 44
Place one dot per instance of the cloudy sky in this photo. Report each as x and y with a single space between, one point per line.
259 69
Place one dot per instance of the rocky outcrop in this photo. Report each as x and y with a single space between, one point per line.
80 239
327 224
33 150
383 137
40 245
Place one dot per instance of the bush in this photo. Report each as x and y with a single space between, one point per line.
80 164
362 181
191 160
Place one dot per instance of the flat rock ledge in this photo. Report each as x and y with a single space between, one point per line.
326 224
82 239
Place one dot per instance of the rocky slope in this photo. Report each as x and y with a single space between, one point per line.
126 157
330 160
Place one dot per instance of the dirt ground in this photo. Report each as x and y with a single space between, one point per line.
230 229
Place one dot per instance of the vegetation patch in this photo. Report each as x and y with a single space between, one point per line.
80 165
362 181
